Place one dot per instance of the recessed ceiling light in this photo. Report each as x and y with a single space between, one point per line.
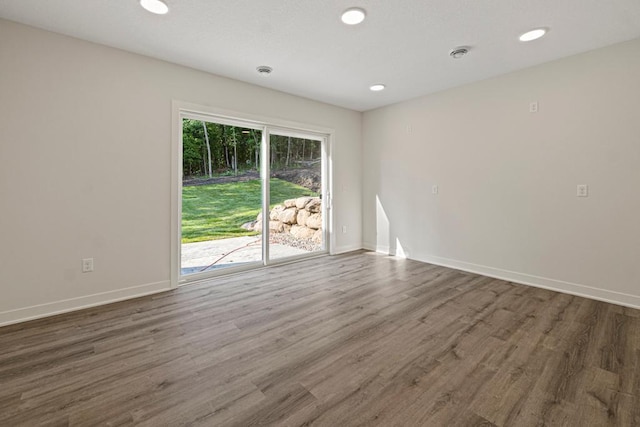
377 87
353 16
533 34
155 6
459 52
264 69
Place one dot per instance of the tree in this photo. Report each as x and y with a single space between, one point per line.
256 141
206 137
235 150
211 148
192 153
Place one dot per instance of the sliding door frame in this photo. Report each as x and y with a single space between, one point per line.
324 189
267 126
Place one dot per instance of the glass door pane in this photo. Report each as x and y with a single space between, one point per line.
296 216
221 196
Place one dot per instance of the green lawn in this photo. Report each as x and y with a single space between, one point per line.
216 211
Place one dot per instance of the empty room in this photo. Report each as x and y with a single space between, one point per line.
309 213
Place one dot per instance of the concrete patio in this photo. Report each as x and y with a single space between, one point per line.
210 255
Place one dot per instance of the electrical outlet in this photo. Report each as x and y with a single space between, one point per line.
533 107
435 189
87 265
583 190
409 129
344 229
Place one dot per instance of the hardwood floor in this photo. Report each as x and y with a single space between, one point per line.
353 340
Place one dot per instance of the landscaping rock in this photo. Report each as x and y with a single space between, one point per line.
314 221
301 202
274 214
299 218
301 232
303 214
314 205
288 216
274 227
249 225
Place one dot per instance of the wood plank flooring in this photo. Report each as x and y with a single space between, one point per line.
353 340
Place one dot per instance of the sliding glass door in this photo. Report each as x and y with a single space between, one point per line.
221 195
295 187
250 195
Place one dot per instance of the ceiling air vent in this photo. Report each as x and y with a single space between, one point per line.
459 52
263 69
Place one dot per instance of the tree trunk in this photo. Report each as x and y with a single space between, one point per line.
273 154
235 152
288 152
226 155
257 159
206 138
255 141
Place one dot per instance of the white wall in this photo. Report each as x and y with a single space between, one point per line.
507 205
85 162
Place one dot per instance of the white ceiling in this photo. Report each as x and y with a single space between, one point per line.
403 44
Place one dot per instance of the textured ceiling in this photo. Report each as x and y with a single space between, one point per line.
403 44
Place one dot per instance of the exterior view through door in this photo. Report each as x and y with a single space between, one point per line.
251 195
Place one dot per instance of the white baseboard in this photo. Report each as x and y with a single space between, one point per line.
345 249
598 294
376 248
73 304
577 289
50 309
